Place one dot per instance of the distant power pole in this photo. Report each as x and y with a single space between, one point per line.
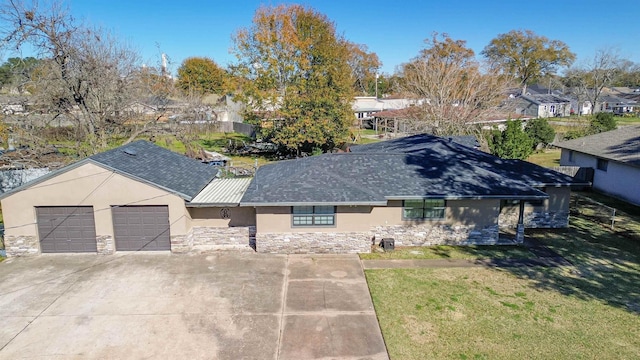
377 76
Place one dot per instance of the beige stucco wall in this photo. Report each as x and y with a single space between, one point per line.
211 216
89 185
362 218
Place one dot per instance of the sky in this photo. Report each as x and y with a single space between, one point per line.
394 30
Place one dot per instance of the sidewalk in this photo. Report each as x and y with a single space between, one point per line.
544 257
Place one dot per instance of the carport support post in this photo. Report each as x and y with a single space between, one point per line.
520 228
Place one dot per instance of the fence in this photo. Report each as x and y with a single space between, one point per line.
594 210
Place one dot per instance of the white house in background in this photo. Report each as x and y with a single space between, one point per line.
614 156
365 107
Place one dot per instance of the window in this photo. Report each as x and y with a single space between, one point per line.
423 209
314 215
571 159
603 164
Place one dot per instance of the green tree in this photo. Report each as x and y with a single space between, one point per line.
201 75
512 143
527 56
602 122
297 83
540 132
17 71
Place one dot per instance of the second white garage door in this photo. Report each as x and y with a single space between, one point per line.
143 228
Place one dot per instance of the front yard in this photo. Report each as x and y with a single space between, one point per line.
588 310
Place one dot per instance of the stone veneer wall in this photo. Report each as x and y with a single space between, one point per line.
220 238
21 245
105 244
535 219
181 243
314 242
437 234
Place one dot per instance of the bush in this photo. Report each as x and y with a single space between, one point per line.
512 143
540 132
602 122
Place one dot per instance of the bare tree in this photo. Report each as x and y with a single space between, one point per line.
455 91
588 81
86 75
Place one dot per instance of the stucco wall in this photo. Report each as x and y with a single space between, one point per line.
212 216
362 218
93 185
620 180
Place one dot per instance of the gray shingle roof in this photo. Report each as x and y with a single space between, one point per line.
430 168
621 145
158 166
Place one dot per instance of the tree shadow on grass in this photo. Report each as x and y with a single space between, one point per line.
605 265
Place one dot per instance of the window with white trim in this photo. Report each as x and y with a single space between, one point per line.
313 215
430 209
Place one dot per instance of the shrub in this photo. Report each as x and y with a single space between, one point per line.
512 143
602 122
540 132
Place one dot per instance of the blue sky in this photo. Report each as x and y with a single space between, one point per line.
395 30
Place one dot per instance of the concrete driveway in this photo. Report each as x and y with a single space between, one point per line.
227 305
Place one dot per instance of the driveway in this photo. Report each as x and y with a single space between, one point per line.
226 305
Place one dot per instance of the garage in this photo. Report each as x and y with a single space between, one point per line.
66 229
141 228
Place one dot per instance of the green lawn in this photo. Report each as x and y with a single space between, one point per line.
453 252
588 311
546 157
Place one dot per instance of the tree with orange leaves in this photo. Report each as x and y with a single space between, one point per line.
296 77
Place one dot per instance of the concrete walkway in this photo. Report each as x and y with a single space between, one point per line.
461 263
544 257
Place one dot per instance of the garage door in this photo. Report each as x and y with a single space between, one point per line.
141 228
66 229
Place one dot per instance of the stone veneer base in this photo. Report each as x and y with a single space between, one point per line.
21 245
314 243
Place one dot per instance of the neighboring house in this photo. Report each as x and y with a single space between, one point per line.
542 105
419 190
13 178
366 108
615 104
614 156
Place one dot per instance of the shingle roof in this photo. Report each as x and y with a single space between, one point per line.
222 192
621 145
435 169
530 174
158 166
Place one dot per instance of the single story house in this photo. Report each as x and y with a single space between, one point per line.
615 157
419 190
542 105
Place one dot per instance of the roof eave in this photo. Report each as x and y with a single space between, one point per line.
318 203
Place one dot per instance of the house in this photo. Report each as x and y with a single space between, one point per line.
419 190
615 157
135 197
615 104
542 105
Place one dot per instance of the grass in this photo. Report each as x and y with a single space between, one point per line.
589 310
453 252
546 157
